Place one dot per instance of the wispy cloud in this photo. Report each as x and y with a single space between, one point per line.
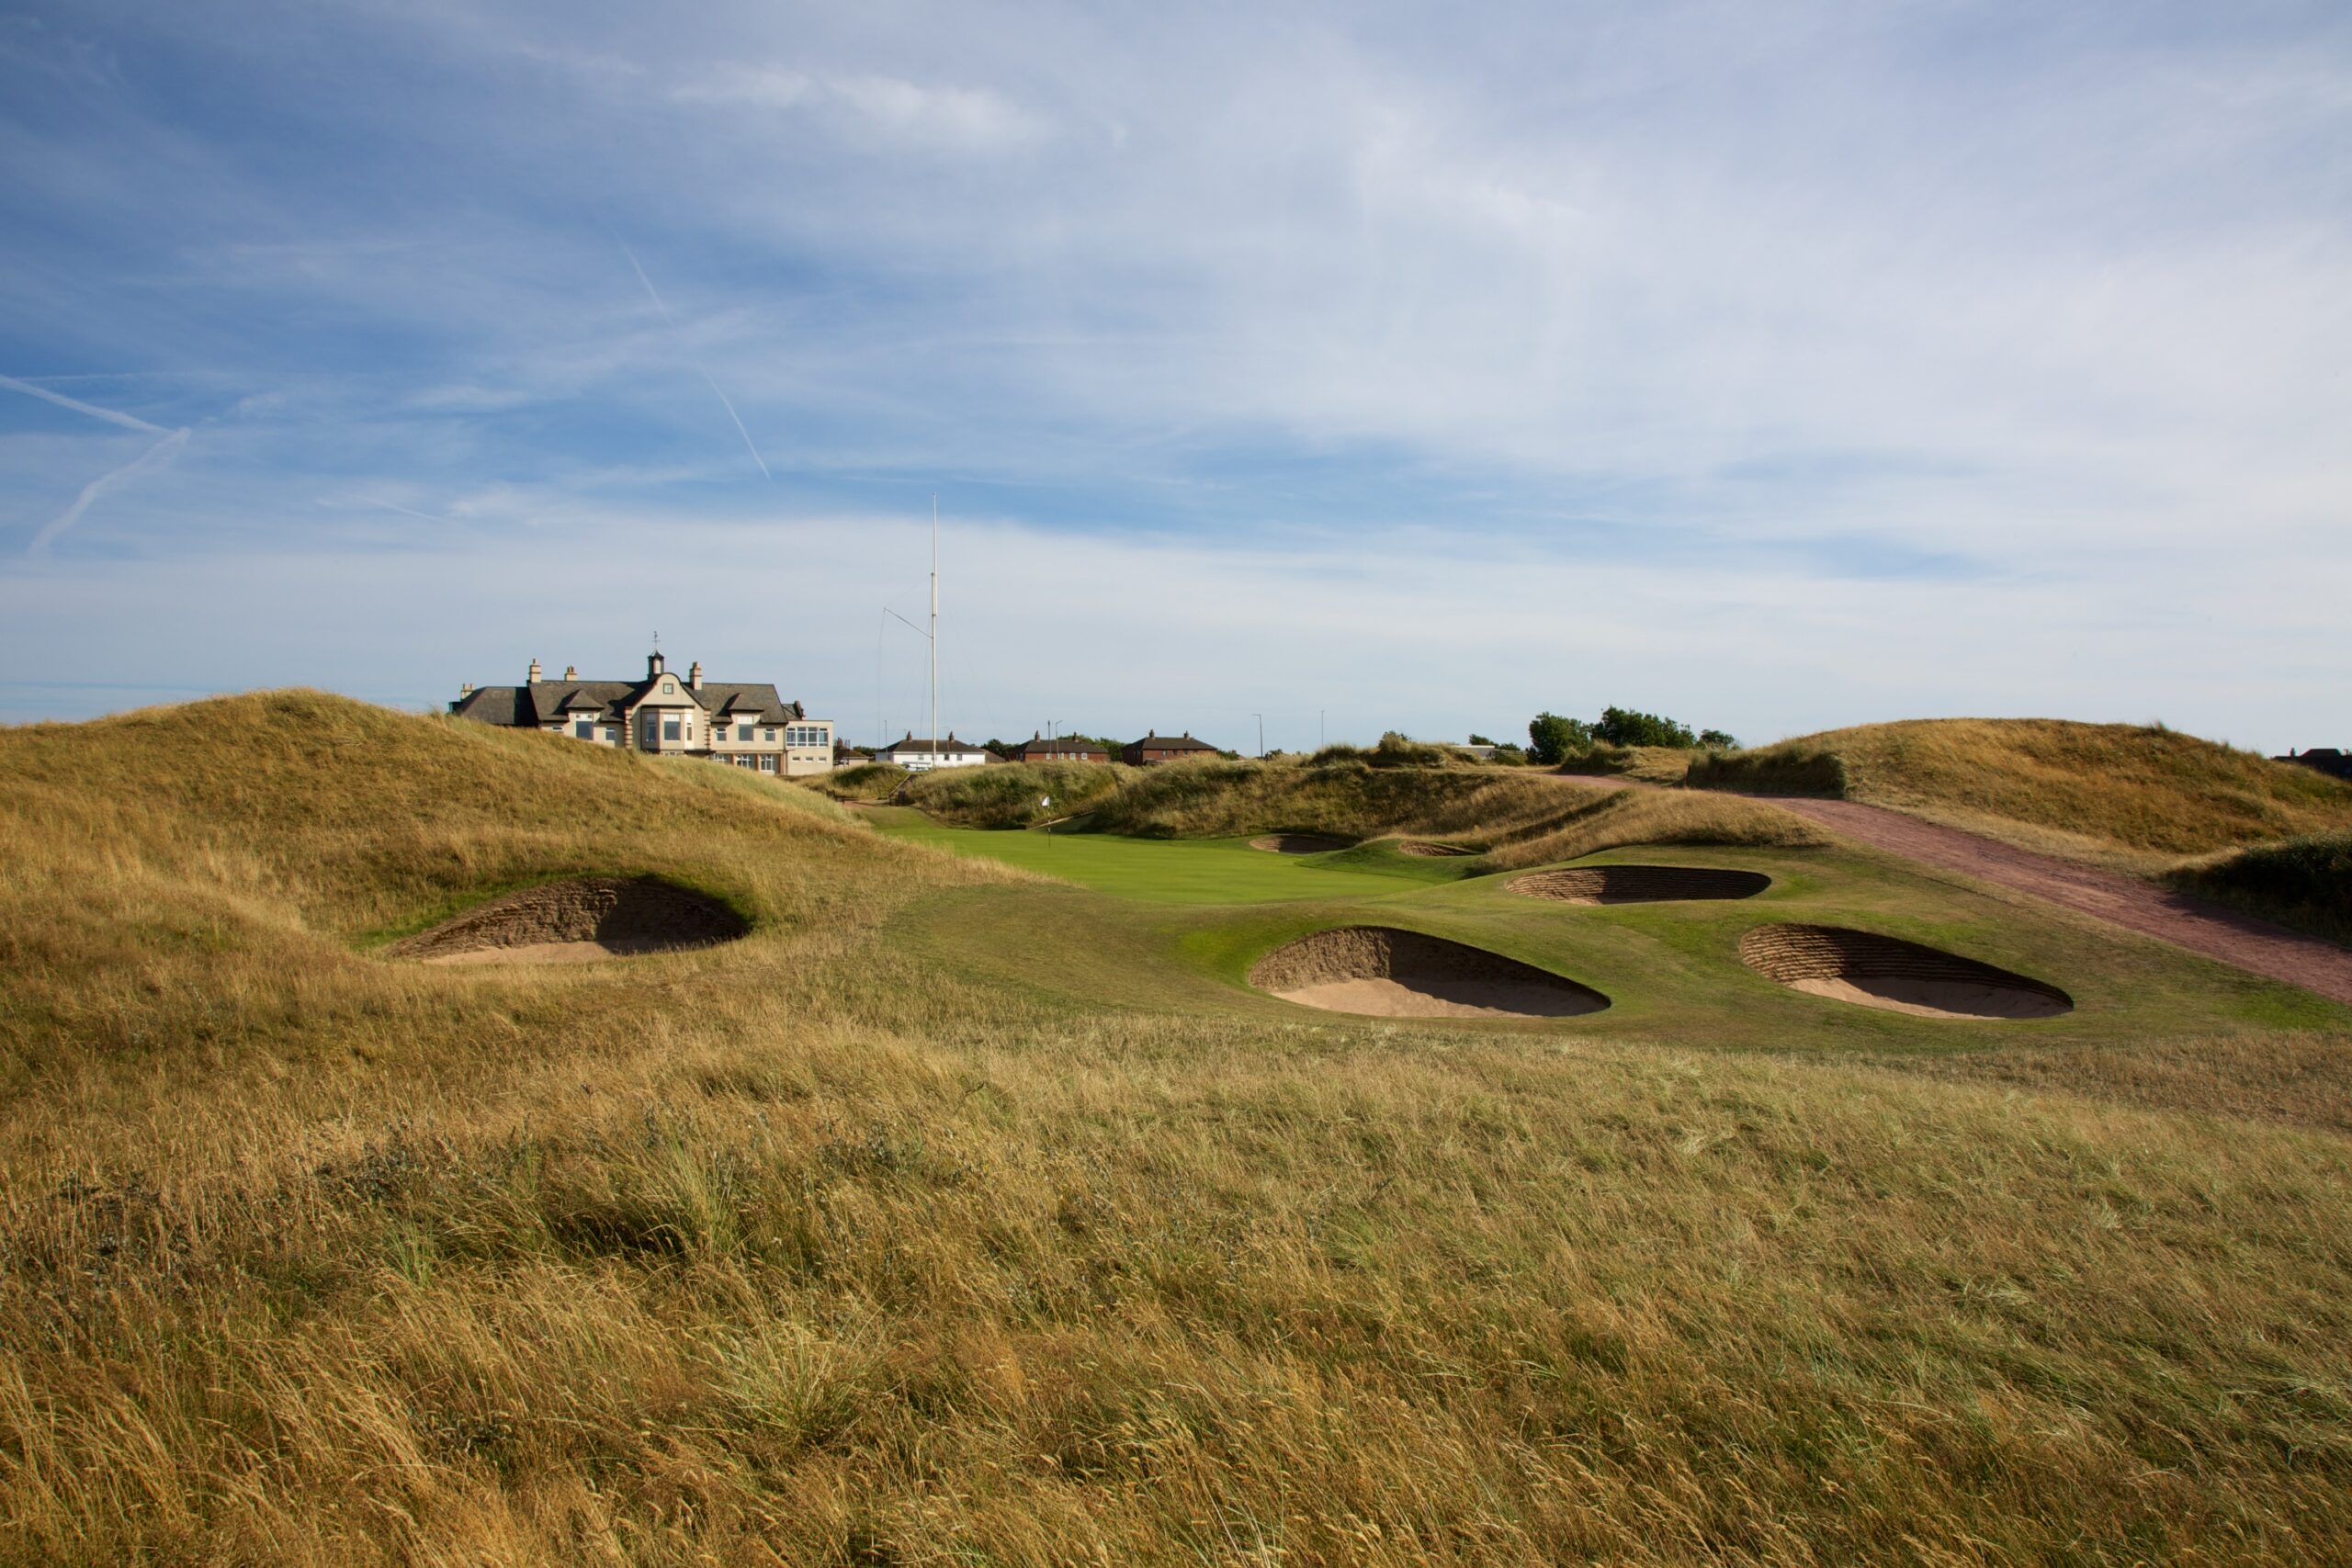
654 294
112 416
161 452
943 117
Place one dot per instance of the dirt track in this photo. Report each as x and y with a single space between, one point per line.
2196 924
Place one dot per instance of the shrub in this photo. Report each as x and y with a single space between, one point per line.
1718 740
1393 751
2304 882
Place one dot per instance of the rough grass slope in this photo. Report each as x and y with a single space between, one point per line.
2140 796
814 1248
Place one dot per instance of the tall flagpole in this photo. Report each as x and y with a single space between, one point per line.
935 629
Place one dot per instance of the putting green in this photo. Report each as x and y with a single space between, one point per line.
1173 871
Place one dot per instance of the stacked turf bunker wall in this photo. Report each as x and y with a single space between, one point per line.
620 915
1889 972
1387 972
1639 883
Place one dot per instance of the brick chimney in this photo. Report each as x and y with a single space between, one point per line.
693 675
465 689
571 671
535 671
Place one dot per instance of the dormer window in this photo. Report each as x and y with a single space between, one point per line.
669 688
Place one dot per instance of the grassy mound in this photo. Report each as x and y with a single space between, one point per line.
2136 795
2304 882
1519 816
960 1216
867 781
1013 794
1394 750
171 872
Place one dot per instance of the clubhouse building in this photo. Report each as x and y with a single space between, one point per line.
743 723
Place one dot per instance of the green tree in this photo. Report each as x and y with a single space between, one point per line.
1717 740
1631 726
1552 739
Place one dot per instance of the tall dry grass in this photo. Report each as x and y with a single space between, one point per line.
1014 794
811 1249
2304 882
2135 797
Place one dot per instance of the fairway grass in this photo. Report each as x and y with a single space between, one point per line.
1170 871
971 1211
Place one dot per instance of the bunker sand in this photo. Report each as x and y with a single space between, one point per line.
1639 883
1299 843
2182 919
1894 976
575 921
1387 973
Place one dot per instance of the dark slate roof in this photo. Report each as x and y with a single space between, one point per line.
496 705
602 698
1173 743
1063 747
742 701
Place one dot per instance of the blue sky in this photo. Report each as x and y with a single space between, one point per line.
1775 367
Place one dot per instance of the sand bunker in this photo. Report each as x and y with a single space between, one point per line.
1435 851
1888 973
576 921
1300 843
1399 973
1640 884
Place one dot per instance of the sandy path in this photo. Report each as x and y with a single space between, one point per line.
2256 946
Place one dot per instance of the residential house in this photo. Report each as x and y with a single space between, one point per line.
919 755
1156 749
1066 748
743 723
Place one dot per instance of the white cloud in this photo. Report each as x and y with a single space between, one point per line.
1433 633
876 107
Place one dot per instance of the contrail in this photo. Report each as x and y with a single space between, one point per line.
654 294
173 441
127 422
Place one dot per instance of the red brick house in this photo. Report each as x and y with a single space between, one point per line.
1066 748
1154 749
